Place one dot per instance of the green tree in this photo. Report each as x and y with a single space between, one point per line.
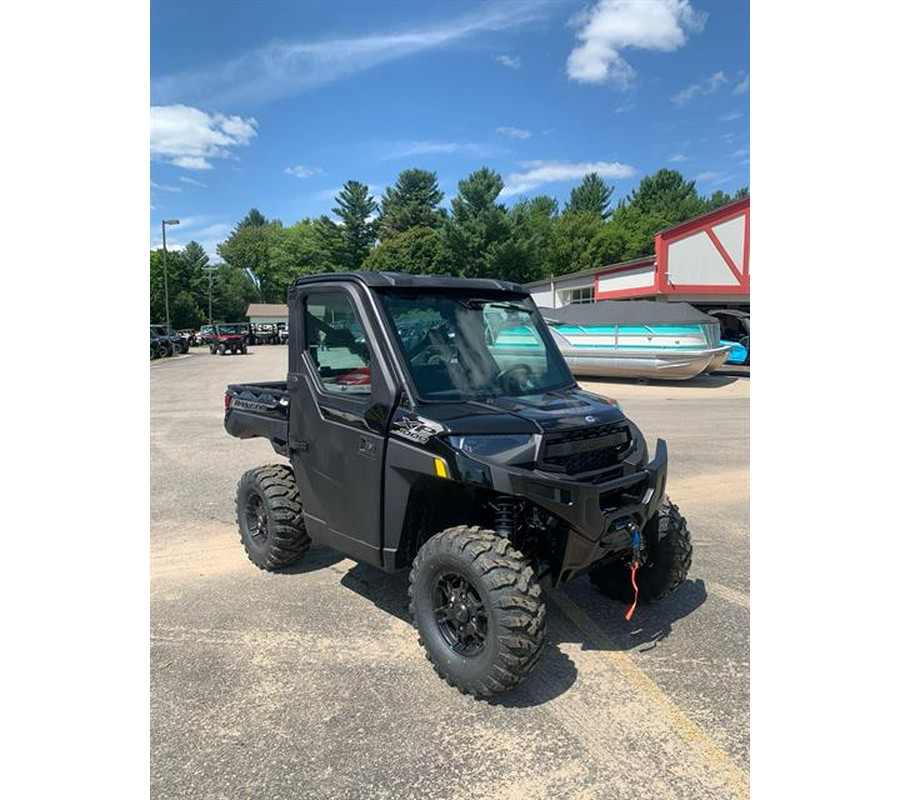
297 250
529 253
233 291
660 201
418 251
592 195
719 198
478 226
411 202
184 308
249 247
330 238
254 219
668 194
355 207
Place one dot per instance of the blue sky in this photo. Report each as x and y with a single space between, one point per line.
275 104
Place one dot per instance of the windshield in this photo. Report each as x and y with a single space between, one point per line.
230 328
458 346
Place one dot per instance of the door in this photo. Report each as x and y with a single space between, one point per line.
341 400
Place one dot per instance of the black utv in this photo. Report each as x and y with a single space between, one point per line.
417 438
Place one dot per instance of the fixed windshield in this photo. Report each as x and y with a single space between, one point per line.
230 329
459 346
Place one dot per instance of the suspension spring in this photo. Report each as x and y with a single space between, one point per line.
506 509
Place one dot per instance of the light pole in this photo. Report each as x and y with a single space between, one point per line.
166 269
210 271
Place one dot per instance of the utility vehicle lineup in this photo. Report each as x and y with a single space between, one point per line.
476 462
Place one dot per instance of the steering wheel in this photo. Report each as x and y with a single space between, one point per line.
524 383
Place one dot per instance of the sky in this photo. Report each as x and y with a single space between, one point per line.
275 104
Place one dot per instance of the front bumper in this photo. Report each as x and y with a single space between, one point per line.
595 512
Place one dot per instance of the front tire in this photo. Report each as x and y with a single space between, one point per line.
478 609
270 518
669 555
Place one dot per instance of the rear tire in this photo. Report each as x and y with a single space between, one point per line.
270 518
669 554
478 609
221 349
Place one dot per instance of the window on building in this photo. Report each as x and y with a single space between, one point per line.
584 294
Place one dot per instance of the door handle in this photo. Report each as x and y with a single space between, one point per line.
366 447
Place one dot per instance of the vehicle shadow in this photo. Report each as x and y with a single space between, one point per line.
554 673
319 556
648 627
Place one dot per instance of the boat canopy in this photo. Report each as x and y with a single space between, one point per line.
626 312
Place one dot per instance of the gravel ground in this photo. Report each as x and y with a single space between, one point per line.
310 683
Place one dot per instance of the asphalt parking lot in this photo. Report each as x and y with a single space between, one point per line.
310 683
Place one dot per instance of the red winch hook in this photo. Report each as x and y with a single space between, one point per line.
630 611
636 550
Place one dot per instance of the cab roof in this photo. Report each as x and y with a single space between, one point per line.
404 280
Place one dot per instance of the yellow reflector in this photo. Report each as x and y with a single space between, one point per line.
440 468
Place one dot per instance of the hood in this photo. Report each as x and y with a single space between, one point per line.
557 410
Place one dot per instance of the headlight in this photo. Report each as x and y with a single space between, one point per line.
508 446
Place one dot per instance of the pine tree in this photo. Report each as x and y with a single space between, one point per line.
355 207
592 195
412 202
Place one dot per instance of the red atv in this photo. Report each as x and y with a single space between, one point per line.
228 338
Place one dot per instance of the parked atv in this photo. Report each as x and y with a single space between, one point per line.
415 442
229 338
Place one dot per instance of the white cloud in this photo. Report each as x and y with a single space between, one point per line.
188 137
283 67
677 158
218 229
707 86
163 188
512 62
744 151
708 176
301 171
431 147
731 117
541 173
614 25
513 133
192 181
743 86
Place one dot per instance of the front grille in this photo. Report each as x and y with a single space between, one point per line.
585 449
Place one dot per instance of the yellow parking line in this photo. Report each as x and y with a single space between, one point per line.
693 735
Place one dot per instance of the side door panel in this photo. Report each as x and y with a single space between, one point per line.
339 423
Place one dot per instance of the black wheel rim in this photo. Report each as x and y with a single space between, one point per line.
460 614
257 519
